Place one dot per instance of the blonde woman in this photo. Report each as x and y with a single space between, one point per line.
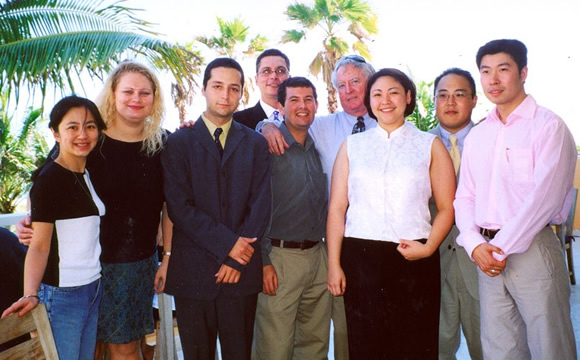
126 171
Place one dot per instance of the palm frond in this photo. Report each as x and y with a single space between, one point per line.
304 14
51 42
292 36
361 48
316 65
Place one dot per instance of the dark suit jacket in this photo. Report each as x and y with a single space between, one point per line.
212 201
250 116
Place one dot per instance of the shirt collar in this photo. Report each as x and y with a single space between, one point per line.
400 131
290 139
525 110
461 134
267 109
211 127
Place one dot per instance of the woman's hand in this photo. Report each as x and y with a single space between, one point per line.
414 250
160 276
336 281
24 304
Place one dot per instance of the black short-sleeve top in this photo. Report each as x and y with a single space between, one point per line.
130 183
68 200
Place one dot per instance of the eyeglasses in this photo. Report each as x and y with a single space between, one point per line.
458 95
279 71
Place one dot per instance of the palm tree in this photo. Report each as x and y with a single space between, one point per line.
51 42
424 116
233 34
19 155
333 17
182 95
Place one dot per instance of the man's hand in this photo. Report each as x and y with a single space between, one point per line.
270 280
483 256
414 250
24 230
242 251
186 124
276 142
227 275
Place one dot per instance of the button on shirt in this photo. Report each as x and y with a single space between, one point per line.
299 195
516 177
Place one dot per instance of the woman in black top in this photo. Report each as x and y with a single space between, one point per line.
62 267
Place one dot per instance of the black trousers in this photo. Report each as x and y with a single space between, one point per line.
201 321
392 304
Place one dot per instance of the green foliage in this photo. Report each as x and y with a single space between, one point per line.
232 35
50 42
424 116
19 154
331 17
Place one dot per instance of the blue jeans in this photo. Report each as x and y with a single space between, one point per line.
73 313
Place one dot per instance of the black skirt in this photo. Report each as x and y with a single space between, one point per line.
392 304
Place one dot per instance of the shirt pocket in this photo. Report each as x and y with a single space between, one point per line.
521 165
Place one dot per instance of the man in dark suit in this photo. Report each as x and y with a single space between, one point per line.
272 68
455 99
217 188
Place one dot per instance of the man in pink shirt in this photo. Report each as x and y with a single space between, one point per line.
516 177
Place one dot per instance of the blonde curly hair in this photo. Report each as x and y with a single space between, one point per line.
153 141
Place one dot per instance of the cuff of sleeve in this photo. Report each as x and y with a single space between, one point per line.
231 262
470 242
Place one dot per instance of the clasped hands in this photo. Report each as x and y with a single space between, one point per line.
483 257
242 252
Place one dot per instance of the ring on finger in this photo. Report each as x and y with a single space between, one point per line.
492 271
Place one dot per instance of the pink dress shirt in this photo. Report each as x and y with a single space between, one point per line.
517 177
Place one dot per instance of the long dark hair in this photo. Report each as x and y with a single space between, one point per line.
58 112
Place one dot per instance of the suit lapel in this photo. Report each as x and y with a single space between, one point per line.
205 139
235 136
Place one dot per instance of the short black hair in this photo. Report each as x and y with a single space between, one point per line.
222 62
514 48
272 52
67 103
402 79
456 71
294 82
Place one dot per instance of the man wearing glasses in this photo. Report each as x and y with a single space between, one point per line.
349 78
454 101
272 68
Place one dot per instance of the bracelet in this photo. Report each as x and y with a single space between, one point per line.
168 253
30 296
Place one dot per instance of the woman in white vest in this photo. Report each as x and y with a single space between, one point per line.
382 249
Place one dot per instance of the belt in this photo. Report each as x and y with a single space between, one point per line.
302 245
489 233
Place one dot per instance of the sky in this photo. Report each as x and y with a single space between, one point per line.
419 37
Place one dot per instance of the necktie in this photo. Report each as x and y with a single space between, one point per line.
275 115
454 153
216 135
359 126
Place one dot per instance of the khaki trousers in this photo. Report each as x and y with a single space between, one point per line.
295 324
